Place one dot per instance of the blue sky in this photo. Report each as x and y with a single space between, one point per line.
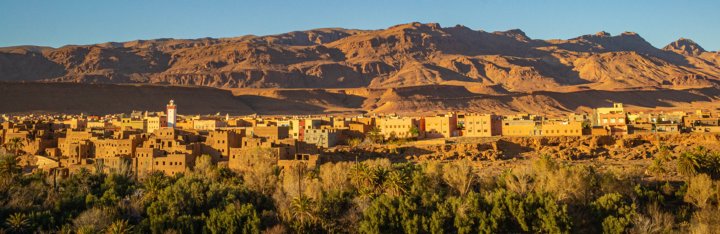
56 23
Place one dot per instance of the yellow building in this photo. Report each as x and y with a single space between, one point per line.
75 144
340 123
526 127
272 133
97 125
219 142
561 128
76 124
700 129
520 127
106 148
298 126
155 123
130 123
185 124
615 115
443 126
481 125
208 124
400 127
150 160
614 119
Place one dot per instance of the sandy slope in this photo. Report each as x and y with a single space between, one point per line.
104 98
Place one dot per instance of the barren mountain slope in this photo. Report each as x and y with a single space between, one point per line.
403 55
415 100
407 68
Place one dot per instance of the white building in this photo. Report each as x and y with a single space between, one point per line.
171 114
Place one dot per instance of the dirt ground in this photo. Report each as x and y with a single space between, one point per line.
639 154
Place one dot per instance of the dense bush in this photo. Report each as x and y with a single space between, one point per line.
374 196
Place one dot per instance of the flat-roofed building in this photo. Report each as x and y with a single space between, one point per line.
76 123
357 129
272 133
694 120
76 144
706 129
561 128
667 127
400 127
339 123
298 126
482 125
186 124
10 134
369 121
151 159
208 124
173 164
520 127
444 126
639 128
614 119
155 123
98 125
218 143
132 123
325 138
107 148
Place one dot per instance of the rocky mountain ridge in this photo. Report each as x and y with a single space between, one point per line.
403 55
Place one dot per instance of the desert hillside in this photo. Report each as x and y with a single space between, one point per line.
411 67
403 55
417 100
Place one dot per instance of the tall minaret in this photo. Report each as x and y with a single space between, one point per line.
171 114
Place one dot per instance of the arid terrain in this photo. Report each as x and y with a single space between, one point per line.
407 68
418 100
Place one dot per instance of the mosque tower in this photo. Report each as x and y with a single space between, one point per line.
171 114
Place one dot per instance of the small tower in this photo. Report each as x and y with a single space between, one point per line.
171 114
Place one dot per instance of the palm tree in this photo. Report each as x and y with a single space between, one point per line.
18 222
15 144
119 226
354 142
414 132
686 165
375 135
395 183
8 164
460 175
301 208
367 180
